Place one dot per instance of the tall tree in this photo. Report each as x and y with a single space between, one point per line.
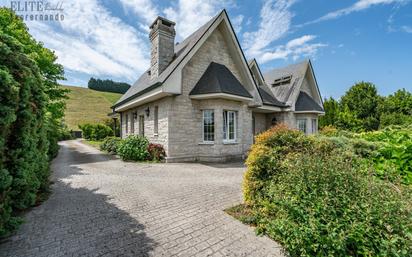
330 118
396 109
362 100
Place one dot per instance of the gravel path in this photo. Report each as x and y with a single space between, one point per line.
101 206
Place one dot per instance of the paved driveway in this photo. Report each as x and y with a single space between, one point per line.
102 206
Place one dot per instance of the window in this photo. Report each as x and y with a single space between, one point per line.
127 123
156 120
314 125
229 126
208 126
282 81
301 124
132 121
141 125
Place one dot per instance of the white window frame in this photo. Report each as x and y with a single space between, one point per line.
305 130
204 112
226 133
314 126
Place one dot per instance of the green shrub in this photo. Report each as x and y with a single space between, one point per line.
323 206
318 197
156 152
95 131
31 108
110 144
133 148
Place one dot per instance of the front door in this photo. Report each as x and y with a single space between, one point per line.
141 125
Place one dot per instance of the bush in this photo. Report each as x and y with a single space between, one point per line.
317 197
133 148
95 131
156 152
322 206
110 144
31 108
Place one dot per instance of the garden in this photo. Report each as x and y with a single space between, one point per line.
132 148
344 192
329 195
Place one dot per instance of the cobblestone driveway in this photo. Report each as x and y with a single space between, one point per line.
102 206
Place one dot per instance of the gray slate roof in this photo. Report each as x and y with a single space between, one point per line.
284 92
306 103
219 79
145 83
268 98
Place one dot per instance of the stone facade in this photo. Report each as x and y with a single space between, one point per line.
162 137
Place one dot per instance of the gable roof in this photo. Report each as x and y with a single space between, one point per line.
145 83
305 103
219 79
284 93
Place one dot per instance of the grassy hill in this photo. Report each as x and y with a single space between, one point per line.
87 106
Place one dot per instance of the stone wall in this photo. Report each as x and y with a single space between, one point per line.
260 123
163 122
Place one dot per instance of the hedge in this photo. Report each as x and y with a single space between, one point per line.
317 197
31 108
95 131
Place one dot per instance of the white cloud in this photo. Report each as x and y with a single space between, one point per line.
189 15
356 7
143 8
407 29
275 22
237 23
295 48
90 40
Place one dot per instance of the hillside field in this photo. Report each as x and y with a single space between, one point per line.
87 106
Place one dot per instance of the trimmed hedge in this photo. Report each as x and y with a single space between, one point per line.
95 131
318 197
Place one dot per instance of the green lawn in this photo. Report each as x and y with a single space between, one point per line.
87 106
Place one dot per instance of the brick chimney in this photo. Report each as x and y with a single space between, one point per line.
162 37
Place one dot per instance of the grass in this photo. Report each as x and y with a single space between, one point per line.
243 213
95 144
87 106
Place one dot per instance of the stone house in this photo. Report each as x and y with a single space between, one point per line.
203 101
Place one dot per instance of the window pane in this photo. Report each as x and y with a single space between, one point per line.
224 125
231 125
314 125
127 123
302 125
208 125
156 120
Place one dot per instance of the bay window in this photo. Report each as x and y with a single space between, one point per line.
314 125
229 126
208 126
301 125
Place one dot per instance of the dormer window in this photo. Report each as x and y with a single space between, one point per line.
282 81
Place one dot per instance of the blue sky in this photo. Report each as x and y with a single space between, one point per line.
347 40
